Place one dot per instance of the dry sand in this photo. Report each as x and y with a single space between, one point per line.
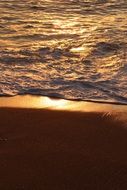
81 147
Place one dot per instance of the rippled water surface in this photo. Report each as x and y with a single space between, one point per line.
74 49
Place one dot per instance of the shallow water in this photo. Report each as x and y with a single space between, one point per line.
73 49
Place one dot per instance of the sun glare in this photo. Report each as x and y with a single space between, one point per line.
54 103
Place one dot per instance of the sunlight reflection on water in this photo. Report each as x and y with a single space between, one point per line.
72 49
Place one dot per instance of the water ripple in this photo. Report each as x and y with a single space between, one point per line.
73 49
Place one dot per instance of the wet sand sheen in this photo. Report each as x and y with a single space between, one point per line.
61 149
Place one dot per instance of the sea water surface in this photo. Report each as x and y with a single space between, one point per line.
73 49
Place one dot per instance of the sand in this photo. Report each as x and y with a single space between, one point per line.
62 146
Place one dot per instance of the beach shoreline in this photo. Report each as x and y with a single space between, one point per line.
62 145
45 102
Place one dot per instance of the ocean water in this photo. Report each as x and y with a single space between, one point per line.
73 49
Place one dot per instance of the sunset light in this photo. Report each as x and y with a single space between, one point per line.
63 94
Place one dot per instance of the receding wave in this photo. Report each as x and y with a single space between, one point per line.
68 49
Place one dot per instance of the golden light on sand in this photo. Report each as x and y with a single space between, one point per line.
54 103
35 102
43 102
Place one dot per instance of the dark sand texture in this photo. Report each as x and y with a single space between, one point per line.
43 149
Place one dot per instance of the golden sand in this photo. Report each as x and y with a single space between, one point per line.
62 146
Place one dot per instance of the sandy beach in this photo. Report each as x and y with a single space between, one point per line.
62 145
63 95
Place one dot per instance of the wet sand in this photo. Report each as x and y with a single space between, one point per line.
62 146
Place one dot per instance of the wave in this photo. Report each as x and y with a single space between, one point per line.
69 49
